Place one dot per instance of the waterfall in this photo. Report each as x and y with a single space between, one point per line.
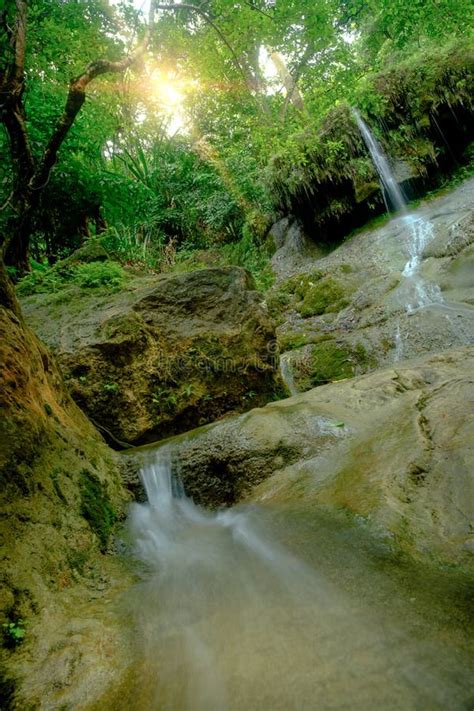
414 292
227 615
391 191
287 374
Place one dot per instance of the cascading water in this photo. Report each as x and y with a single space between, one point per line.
392 193
414 292
219 598
226 618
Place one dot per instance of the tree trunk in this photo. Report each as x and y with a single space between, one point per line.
32 176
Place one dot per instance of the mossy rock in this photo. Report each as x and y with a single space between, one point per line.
91 251
330 361
322 297
293 340
299 284
96 506
167 354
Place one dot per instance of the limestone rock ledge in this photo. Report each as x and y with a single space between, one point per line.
395 446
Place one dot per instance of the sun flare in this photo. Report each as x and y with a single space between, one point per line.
166 90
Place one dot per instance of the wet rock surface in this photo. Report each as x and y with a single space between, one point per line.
382 318
395 447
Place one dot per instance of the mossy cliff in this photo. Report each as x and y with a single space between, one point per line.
345 313
421 111
61 494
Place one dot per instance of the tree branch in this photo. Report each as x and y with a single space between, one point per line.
76 98
211 23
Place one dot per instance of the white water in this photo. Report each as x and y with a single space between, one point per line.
392 193
222 596
414 291
227 619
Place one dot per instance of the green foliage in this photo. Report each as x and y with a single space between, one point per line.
96 507
248 150
111 388
99 274
14 632
246 253
93 275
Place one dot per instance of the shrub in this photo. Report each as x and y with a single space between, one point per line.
97 274
109 275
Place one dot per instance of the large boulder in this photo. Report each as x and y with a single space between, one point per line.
165 355
61 494
396 447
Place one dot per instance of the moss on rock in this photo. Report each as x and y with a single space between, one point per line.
325 296
166 355
330 361
96 506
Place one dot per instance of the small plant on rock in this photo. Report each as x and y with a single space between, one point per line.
14 632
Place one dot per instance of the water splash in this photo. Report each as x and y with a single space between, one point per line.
217 588
391 191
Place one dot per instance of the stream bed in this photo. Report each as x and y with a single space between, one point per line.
263 607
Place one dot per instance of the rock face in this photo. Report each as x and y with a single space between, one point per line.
169 354
385 295
396 447
60 496
291 245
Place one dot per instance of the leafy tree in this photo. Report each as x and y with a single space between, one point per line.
32 164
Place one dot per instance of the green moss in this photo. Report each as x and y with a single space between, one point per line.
363 358
55 474
277 303
329 362
323 297
299 284
96 507
292 340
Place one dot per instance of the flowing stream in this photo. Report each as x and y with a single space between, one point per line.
264 608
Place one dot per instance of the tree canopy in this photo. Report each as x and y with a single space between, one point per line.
193 125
